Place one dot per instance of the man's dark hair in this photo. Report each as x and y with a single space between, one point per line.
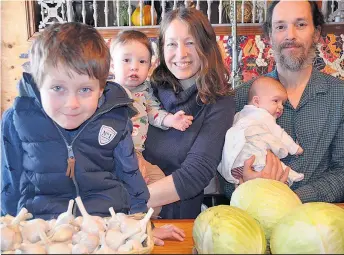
318 17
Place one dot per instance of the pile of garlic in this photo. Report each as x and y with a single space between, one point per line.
85 234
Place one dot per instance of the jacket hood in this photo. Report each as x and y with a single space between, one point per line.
28 88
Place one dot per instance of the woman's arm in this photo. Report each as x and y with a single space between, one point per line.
162 192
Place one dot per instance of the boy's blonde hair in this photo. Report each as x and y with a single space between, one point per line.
128 36
73 46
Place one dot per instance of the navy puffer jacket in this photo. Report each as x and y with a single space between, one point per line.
35 152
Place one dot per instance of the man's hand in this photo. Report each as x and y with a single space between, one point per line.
272 170
169 232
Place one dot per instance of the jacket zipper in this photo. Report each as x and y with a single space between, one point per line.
71 156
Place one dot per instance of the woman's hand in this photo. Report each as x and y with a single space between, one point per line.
168 231
272 170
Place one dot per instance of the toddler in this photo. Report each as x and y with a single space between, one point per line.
131 55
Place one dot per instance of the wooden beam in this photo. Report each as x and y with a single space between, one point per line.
224 29
30 18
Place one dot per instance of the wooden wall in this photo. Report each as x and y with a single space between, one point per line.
14 42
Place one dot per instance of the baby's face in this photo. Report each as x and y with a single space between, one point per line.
131 64
272 100
70 98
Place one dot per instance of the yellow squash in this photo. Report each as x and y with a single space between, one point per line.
146 16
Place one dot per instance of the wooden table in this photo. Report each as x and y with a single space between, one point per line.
176 247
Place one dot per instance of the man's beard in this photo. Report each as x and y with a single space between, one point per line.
297 62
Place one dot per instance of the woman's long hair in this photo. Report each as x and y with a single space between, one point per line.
213 78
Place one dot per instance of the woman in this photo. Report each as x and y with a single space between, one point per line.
191 77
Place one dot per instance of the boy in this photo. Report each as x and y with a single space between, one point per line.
68 133
255 131
131 55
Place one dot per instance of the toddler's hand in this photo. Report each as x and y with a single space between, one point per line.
168 231
180 121
299 151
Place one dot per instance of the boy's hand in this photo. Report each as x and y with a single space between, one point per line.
299 151
168 231
179 120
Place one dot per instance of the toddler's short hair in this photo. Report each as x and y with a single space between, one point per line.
73 46
127 36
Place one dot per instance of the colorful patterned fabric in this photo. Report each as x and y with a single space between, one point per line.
257 56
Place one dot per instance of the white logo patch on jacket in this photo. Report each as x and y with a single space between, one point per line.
106 135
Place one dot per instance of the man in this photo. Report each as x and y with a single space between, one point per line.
314 112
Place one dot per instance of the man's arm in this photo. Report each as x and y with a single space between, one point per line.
127 169
330 187
11 165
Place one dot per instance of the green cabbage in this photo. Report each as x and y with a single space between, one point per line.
225 229
313 228
265 200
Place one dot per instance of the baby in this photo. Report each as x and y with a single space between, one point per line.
255 131
131 53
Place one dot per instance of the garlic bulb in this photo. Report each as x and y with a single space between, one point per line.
104 248
77 222
59 248
30 229
90 224
89 240
113 222
125 247
66 217
30 248
7 219
132 245
79 249
115 238
52 223
54 248
7 238
127 224
131 223
10 232
61 233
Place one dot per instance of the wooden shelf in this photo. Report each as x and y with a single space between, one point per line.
224 29
152 31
